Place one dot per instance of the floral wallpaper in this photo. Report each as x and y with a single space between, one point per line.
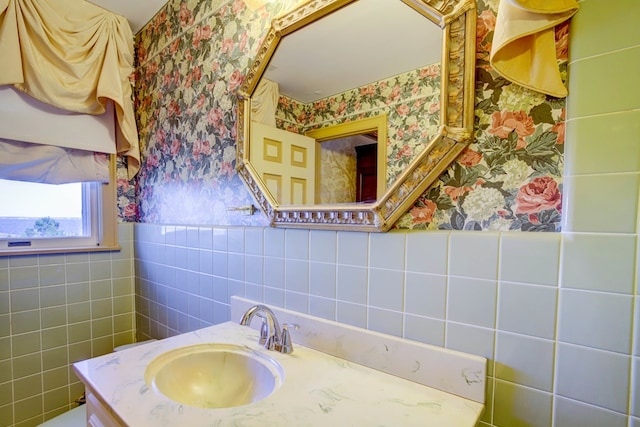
191 60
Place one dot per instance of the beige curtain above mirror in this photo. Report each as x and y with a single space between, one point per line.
524 47
73 55
264 103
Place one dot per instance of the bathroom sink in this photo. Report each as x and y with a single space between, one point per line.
214 375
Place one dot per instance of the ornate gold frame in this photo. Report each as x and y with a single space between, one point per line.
457 18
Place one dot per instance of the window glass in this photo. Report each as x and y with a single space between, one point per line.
34 210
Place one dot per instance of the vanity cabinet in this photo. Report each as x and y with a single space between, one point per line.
98 415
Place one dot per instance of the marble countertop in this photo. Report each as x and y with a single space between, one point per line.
318 390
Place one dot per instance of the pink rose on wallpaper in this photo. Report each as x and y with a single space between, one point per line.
242 43
235 80
129 211
404 152
214 116
175 147
226 169
559 128
434 108
424 214
123 185
456 192
505 122
485 24
153 160
540 194
368 90
469 157
142 54
430 71
151 70
227 45
201 147
185 15
173 108
402 110
201 33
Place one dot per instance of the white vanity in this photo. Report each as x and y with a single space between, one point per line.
337 375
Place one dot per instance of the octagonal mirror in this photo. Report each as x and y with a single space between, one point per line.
353 108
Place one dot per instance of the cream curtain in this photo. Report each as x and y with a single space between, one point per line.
523 49
264 102
23 161
73 55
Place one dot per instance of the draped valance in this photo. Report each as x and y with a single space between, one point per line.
72 55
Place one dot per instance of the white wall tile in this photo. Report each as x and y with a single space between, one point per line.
427 252
635 387
424 329
571 413
274 272
530 258
254 241
236 265
385 321
296 276
602 262
521 406
596 319
323 245
386 289
322 279
296 301
351 284
387 250
351 314
593 376
472 301
235 240
525 360
425 295
474 255
471 339
220 239
353 248
527 309
322 307
297 244
583 212
253 269
274 242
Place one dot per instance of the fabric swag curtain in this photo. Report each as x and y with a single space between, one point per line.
72 55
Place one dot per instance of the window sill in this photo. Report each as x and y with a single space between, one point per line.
39 251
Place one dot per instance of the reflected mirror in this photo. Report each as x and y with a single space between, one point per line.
352 108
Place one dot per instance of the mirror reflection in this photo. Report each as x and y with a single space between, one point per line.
370 60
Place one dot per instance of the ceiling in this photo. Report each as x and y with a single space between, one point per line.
137 12
366 41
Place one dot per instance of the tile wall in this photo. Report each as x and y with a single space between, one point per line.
55 310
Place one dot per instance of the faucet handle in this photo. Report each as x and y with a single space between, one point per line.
286 345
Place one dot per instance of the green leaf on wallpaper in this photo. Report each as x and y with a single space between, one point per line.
542 114
462 176
542 145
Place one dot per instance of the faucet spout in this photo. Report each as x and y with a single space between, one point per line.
274 336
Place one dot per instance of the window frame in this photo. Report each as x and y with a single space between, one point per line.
105 229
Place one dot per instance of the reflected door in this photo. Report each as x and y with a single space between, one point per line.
286 162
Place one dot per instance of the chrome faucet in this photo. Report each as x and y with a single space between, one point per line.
271 335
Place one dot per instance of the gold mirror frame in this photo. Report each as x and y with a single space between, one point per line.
457 18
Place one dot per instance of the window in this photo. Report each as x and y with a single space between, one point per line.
40 218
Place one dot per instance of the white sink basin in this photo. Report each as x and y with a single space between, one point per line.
214 375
